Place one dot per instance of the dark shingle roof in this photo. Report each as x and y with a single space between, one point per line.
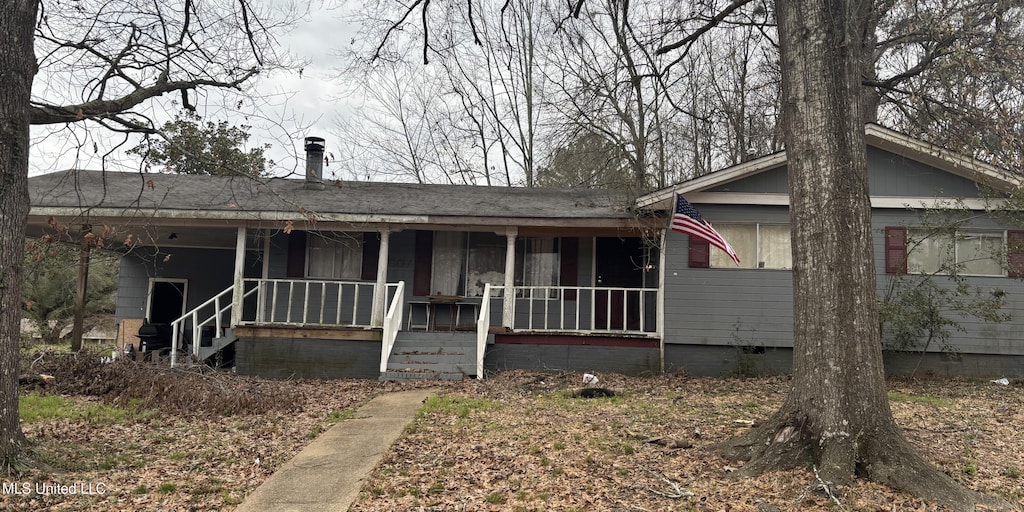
192 193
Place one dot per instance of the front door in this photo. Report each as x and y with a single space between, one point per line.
166 300
619 263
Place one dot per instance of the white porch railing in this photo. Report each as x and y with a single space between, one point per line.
392 324
585 309
483 326
565 309
219 306
313 303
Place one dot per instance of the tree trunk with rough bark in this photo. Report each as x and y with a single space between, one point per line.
17 70
837 417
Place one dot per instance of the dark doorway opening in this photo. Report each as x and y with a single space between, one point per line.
619 263
167 302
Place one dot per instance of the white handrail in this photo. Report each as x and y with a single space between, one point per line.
194 315
392 324
483 325
216 317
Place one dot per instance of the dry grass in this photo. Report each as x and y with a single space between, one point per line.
519 441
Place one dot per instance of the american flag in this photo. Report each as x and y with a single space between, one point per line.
688 220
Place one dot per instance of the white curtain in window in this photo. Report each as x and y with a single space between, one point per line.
486 262
321 258
928 251
448 262
540 263
743 239
348 262
335 256
979 253
774 243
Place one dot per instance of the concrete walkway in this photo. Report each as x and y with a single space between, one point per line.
327 474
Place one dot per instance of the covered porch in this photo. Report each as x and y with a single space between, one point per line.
595 289
305 279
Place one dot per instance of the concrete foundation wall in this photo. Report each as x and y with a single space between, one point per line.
303 358
716 361
572 357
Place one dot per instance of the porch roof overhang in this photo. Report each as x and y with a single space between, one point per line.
210 208
875 136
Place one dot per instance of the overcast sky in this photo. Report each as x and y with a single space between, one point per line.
296 106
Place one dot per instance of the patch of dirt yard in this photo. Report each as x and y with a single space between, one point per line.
153 458
520 441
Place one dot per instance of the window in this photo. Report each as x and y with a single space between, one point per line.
486 262
974 252
335 256
537 262
757 245
464 263
448 263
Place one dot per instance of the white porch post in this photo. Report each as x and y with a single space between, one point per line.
239 290
266 254
380 292
509 293
660 326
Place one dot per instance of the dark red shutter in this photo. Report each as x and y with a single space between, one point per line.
423 263
1015 253
568 264
371 253
700 253
895 250
296 266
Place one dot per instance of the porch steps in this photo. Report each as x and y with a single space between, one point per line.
432 355
217 344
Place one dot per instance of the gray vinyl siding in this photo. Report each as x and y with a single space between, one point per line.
772 181
978 337
208 271
747 307
754 307
132 288
889 175
727 306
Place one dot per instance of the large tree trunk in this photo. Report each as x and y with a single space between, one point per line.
17 69
836 417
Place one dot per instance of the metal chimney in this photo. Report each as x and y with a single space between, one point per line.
315 163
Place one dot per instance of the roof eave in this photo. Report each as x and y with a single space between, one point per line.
655 199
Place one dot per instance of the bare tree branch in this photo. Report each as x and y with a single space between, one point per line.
395 26
43 113
712 23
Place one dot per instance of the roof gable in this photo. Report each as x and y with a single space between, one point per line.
898 166
889 175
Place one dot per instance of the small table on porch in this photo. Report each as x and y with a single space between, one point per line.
453 305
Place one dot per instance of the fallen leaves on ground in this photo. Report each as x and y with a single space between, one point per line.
176 460
519 441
